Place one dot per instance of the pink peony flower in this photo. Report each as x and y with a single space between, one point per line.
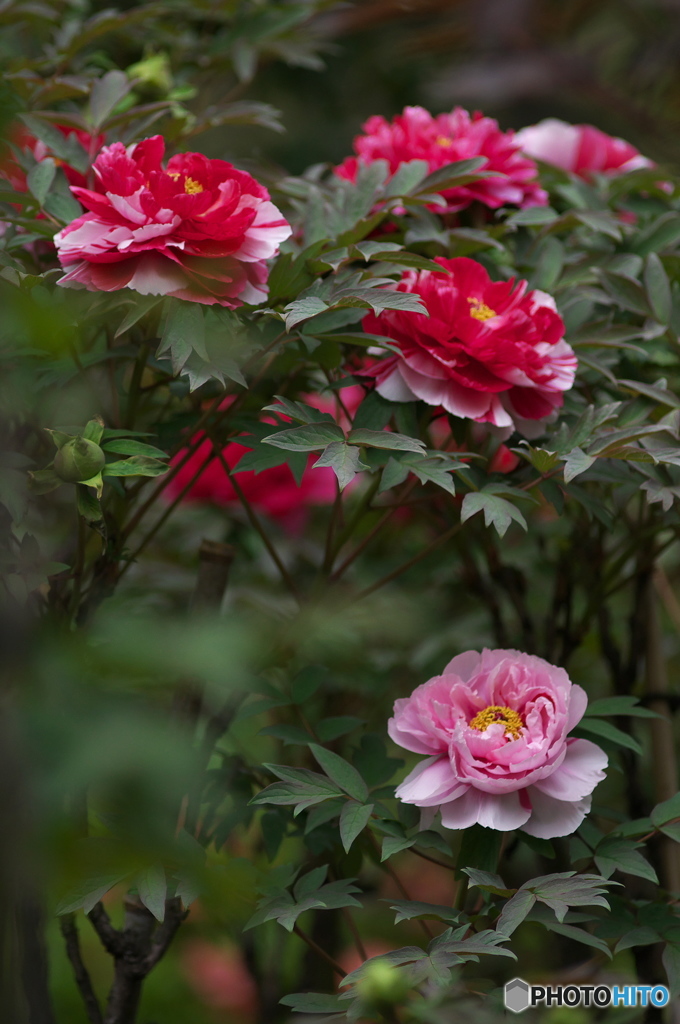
444 139
199 230
220 976
489 351
273 491
495 726
579 148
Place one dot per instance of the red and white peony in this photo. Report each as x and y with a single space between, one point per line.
489 351
417 135
580 148
495 728
199 229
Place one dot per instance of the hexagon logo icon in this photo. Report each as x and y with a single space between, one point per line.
516 995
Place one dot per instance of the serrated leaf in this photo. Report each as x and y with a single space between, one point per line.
622 855
497 511
314 1002
307 438
298 411
183 332
344 459
152 888
341 772
353 820
406 910
488 881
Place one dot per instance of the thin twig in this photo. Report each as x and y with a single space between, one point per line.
412 561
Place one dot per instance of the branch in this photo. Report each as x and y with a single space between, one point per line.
67 924
110 938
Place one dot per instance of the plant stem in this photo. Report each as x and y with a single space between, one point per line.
451 532
319 951
69 931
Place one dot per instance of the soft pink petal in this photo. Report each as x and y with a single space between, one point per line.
463 665
578 702
582 769
429 783
394 388
551 818
502 813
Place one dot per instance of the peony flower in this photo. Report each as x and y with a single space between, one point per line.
490 351
273 491
199 230
11 171
495 726
220 977
579 148
444 139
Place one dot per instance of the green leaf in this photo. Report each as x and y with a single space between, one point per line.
449 175
329 729
637 937
654 391
314 1002
668 810
341 772
307 438
534 216
395 844
515 911
658 289
152 888
307 682
374 413
94 429
106 94
578 935
88 505
609 732
137 465
619 706
626 292
497 511
344 459
63 208
622 855
386 439
40 178
575 463
298 411
671 962
183 332
303 309
488 881
408 176
139 308
353 820
406 910
288 733
128 446
66 148
87 894
663 233
479 848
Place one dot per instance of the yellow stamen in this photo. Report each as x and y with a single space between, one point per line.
442 140
496 713
480 311
192 187
173 174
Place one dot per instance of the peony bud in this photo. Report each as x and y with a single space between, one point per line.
382 984
78 460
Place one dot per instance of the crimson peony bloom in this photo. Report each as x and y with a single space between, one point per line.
495 726
579 148
273 491
444 139
489 351
199 230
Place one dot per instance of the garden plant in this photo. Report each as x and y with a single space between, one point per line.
339 543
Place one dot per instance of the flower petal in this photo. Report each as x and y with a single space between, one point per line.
551 818
578 775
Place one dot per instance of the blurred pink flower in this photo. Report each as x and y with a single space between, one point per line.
495 726
417 135
221 978
199 230
489 351
20 138
273 491
580 148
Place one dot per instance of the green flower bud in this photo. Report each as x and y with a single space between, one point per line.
382 984
78 460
